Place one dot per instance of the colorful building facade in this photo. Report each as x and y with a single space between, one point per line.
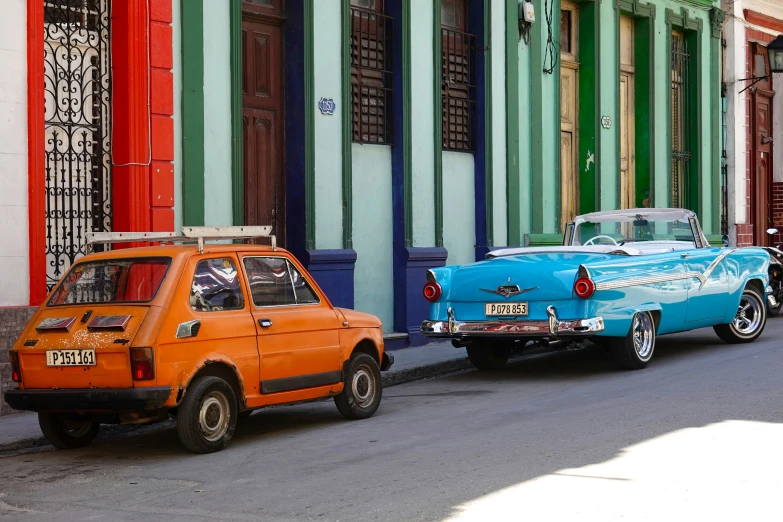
384 137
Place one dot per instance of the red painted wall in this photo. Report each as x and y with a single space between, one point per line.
142 129
143 102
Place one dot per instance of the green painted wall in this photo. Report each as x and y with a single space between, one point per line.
217 115
498 90
176 34
422 124
545 129
328 129
608 152
661 179
459 216
372 231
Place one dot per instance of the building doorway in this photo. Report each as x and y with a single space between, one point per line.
761 149
263 98
569 113
627 115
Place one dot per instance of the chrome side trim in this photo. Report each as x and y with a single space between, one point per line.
714 264
552 327
648 280
665 278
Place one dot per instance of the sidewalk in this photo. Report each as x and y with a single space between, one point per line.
21 430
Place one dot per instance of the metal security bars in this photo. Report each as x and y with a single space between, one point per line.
680 89
77 86
371 72
459 90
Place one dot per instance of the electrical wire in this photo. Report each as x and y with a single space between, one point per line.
552 48
149 103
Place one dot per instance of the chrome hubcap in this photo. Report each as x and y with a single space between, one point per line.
749 315
643 334
363 387
213 416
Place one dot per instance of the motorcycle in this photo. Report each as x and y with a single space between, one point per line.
775 299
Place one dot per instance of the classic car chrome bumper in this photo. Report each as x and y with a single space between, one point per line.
552 327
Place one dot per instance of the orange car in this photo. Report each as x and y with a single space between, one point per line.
206 333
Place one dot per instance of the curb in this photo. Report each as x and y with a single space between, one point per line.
109 431
425 371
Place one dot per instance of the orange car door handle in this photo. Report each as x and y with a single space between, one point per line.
265 323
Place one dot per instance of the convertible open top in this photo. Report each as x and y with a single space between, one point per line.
638 249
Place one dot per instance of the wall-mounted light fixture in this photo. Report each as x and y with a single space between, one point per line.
526 17
775 57
775 52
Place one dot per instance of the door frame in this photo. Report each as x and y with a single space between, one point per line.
760 209
274 15
628 70
570 60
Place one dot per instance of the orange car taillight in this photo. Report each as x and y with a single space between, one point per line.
432 292
142 363
16 372
584 287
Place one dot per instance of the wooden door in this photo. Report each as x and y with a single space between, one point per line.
263 118
627 120
569 111
761 146
762 166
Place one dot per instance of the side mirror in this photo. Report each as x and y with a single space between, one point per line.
771 231
725 240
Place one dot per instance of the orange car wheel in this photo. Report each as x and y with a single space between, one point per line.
207 416
362 389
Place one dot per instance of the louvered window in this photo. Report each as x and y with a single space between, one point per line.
371 72
458 50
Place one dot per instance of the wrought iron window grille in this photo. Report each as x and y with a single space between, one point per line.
371 76
680 122
77 86
458 63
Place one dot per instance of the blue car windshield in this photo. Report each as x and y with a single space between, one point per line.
630 231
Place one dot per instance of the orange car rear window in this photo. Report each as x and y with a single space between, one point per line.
112 281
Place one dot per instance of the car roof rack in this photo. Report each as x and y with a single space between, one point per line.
188 235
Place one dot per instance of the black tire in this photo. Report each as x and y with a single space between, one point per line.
212 431
634 351
362 390
66 433
488 356
743 329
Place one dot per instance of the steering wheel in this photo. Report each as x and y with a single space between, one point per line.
590 241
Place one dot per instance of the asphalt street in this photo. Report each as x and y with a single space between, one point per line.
566 436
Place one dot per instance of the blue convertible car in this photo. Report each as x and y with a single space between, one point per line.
621 278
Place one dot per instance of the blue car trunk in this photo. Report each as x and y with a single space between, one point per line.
545 277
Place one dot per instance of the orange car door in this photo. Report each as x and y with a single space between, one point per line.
298 340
